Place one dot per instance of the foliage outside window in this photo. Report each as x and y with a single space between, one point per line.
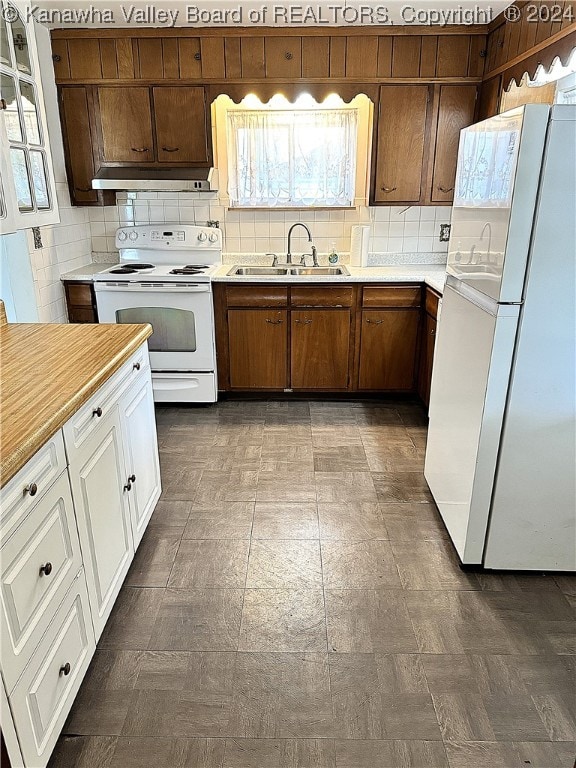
24 130
292 158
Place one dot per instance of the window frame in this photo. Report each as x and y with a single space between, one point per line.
11 217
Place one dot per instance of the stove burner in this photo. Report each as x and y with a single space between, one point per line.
140 265
189 269
123 271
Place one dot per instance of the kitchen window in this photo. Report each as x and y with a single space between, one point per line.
301 155
28 185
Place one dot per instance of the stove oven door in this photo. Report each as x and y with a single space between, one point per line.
181 316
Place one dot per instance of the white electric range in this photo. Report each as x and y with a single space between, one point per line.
163 278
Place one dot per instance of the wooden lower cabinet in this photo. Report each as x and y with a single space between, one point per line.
388 344
258 348
80 302
320 349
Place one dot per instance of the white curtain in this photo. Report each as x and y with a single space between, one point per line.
298 158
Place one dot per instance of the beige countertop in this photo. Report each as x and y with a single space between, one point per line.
430 274
48 372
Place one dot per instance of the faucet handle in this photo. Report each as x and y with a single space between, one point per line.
274 259
314 256
303 259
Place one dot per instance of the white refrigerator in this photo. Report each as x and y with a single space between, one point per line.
501 452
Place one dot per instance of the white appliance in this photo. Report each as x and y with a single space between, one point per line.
501 453
163 278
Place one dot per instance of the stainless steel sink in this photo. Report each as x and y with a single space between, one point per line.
247 271
307 271
289 271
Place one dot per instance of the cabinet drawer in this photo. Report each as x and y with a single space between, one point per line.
42 699
88 418
321 296
432 300
257 295
29 485
39 563
391 296
80 294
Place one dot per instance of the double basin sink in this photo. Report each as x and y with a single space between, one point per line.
287 271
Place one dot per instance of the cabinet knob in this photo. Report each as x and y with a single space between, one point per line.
446 189
136 367
31 489
388 189
432 332
97 412
288 55
197 56
170 149
374 322
65 669
274 322
56 57
46 569
139 149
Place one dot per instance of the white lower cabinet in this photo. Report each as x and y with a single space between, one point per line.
141 455
67 539
44 694
100 490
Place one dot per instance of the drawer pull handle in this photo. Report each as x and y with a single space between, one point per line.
389 189
139 149
136 367
46 570
31 489
170 149
374 322
84 189
97 412
446 189
128 486
65 669
304 322
274 322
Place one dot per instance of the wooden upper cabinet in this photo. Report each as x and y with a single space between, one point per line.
212 57
362 56
78 142
455 111
180 120
400 143
126 124
315 57
283 57
189 57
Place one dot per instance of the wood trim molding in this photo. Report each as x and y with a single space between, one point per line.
254 31
565 36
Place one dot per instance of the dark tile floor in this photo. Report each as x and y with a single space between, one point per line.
295 603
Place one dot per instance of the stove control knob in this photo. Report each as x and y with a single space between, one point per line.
202 237
133 235
122 235
213 237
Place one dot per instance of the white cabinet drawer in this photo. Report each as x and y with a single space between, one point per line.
88 418
45 692
28 486
38 564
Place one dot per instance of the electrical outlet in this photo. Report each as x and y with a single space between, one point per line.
444 233
37 237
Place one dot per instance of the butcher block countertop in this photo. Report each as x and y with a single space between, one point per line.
47 373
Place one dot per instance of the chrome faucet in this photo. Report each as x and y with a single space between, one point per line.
289 253
488 227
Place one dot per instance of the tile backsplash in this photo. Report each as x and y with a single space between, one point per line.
408 234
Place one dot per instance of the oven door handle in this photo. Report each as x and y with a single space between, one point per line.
155 287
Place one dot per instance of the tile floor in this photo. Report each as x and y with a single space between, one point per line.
295 603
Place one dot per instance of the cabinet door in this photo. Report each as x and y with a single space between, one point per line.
78 139
180 119
258 345
426 358
456 111
400 147
283 56
126 123
388 349
320 349
98 480
141 455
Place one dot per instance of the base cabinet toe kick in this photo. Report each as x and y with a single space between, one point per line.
70 522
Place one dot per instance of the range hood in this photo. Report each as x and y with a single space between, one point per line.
157 179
